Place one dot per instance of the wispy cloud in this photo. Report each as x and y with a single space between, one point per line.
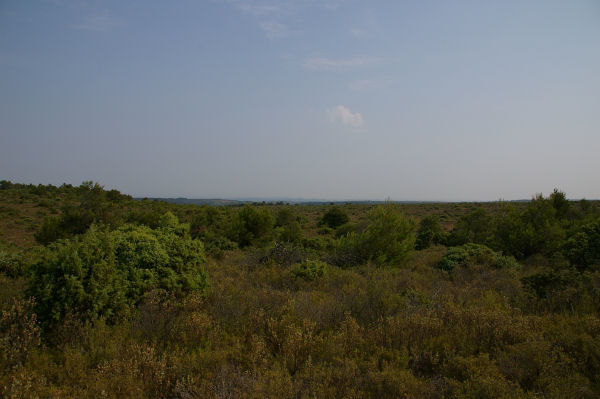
358 32
258 9
99 22
372 84
364 84
273 16
330 64
343 115
274 29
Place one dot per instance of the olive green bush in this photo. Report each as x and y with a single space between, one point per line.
309 270
476 254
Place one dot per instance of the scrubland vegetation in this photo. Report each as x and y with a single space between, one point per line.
104 296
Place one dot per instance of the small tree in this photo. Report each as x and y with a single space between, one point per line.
430 232
101 274
387 240
334 217
250 226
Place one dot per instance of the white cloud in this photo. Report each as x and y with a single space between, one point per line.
345 116
274 29
99 21
331 64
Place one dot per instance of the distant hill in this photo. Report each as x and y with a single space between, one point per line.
198 201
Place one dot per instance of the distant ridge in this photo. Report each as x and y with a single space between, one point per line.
197 201
293 201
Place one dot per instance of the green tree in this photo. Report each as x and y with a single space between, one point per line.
476 227
429 232
583 248
334 217
387 240
250 226
101 274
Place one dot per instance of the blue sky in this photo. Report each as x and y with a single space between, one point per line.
332 99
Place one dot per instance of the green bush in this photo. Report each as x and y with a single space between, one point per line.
476 227
334 217
536 230
583 248
11 265
291 232
387 240
429 232
346 228
250 226
475 254
101 274
309 270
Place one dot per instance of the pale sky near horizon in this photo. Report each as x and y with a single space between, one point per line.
331 99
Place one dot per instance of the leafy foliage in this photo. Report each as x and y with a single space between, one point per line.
475 253
101 274
583 247
334 217
429 232
309 270
387 239
250 226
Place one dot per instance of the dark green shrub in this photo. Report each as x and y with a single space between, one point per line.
476 227
454 257
284 217
334 217
536 230
309 270
250 226
583 248
50 231
429 233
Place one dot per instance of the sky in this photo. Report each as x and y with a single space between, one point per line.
331 99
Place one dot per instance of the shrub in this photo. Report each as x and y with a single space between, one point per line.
346 228
476 226
309 270
475 254
334 217
250 226
583 248
284 217
430 232
291 232
101 274
387 239
11 265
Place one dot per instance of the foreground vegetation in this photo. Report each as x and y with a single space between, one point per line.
105 296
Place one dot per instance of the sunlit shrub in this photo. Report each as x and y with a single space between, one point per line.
387 240
309 270
102 273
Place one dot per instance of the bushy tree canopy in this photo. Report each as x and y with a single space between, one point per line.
387 239
334 217
102 273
